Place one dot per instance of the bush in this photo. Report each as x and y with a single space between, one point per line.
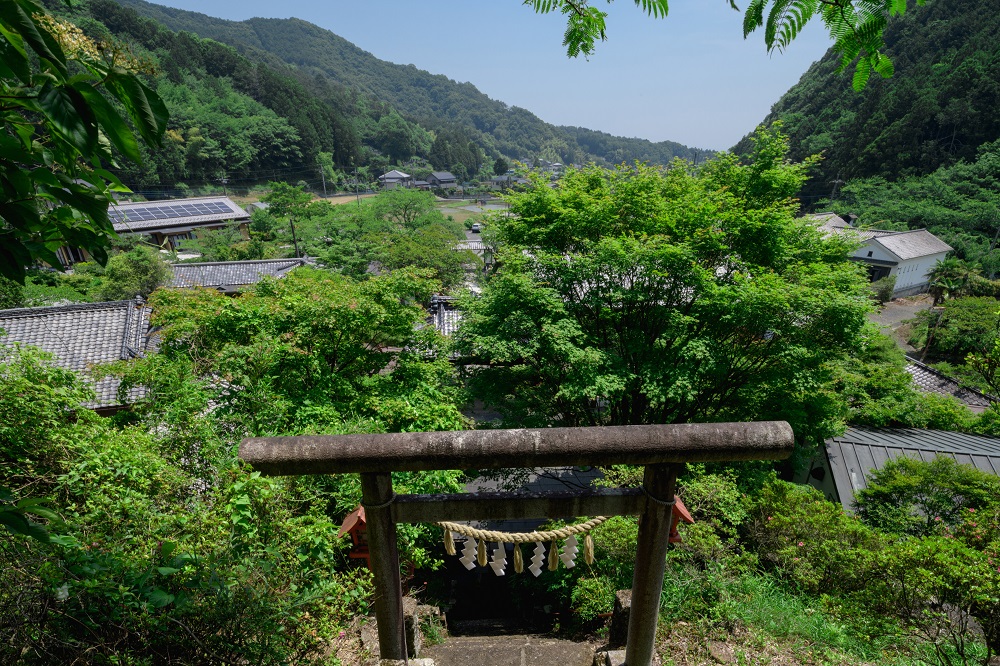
917 498
883 288
137 272
809 541
11 294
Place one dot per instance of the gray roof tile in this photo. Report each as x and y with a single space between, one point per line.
82 335
231 274
913 244
929 380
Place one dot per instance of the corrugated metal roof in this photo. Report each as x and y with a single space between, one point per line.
853 455
148 215
230 274
82 335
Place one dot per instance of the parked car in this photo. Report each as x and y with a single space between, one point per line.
476 228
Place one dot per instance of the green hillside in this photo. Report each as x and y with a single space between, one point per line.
432 100
939 108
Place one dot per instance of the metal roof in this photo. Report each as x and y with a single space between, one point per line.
229 275
929 380
151 215
853 455
82 335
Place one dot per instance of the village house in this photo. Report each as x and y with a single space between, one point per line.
443 179
394 179
908 256
83 335
230 277
169 223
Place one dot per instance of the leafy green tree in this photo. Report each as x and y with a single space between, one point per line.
856 26
287 201
137 272
11 294
914 497
644 295
500 167
310 352
961 327
59 126
951 278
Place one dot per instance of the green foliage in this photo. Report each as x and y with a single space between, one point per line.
58 127
137 272
642 295
909 496
882 289
964 326
11 294
810 542
306 353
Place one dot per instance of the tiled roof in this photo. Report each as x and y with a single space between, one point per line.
149 215
231 274
444 317
857 452
913 244
82 335
443 175
929 380
395 174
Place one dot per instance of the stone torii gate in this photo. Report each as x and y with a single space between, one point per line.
661 449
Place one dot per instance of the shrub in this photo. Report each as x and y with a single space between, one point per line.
809 541
137 272
882 289
914 497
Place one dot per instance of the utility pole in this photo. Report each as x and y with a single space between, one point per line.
224 180
837 182
322 176
295 240
357 193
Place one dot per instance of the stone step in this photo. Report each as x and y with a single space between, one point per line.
521 650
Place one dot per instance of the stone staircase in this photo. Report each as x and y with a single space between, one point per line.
513 650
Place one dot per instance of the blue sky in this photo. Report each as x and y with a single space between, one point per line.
690 77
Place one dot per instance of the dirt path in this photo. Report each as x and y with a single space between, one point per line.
892 315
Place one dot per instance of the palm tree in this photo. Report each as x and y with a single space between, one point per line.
950 278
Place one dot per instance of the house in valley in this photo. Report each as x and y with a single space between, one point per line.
442 179
230 277
169 223
908 256
83 335
395 178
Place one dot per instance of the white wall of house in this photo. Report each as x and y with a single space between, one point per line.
872 250
913 272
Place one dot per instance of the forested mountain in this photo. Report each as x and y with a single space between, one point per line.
939 107
433 101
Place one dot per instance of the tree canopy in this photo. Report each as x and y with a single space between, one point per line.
856 26
647 295
65 100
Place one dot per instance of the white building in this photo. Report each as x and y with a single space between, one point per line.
908 256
